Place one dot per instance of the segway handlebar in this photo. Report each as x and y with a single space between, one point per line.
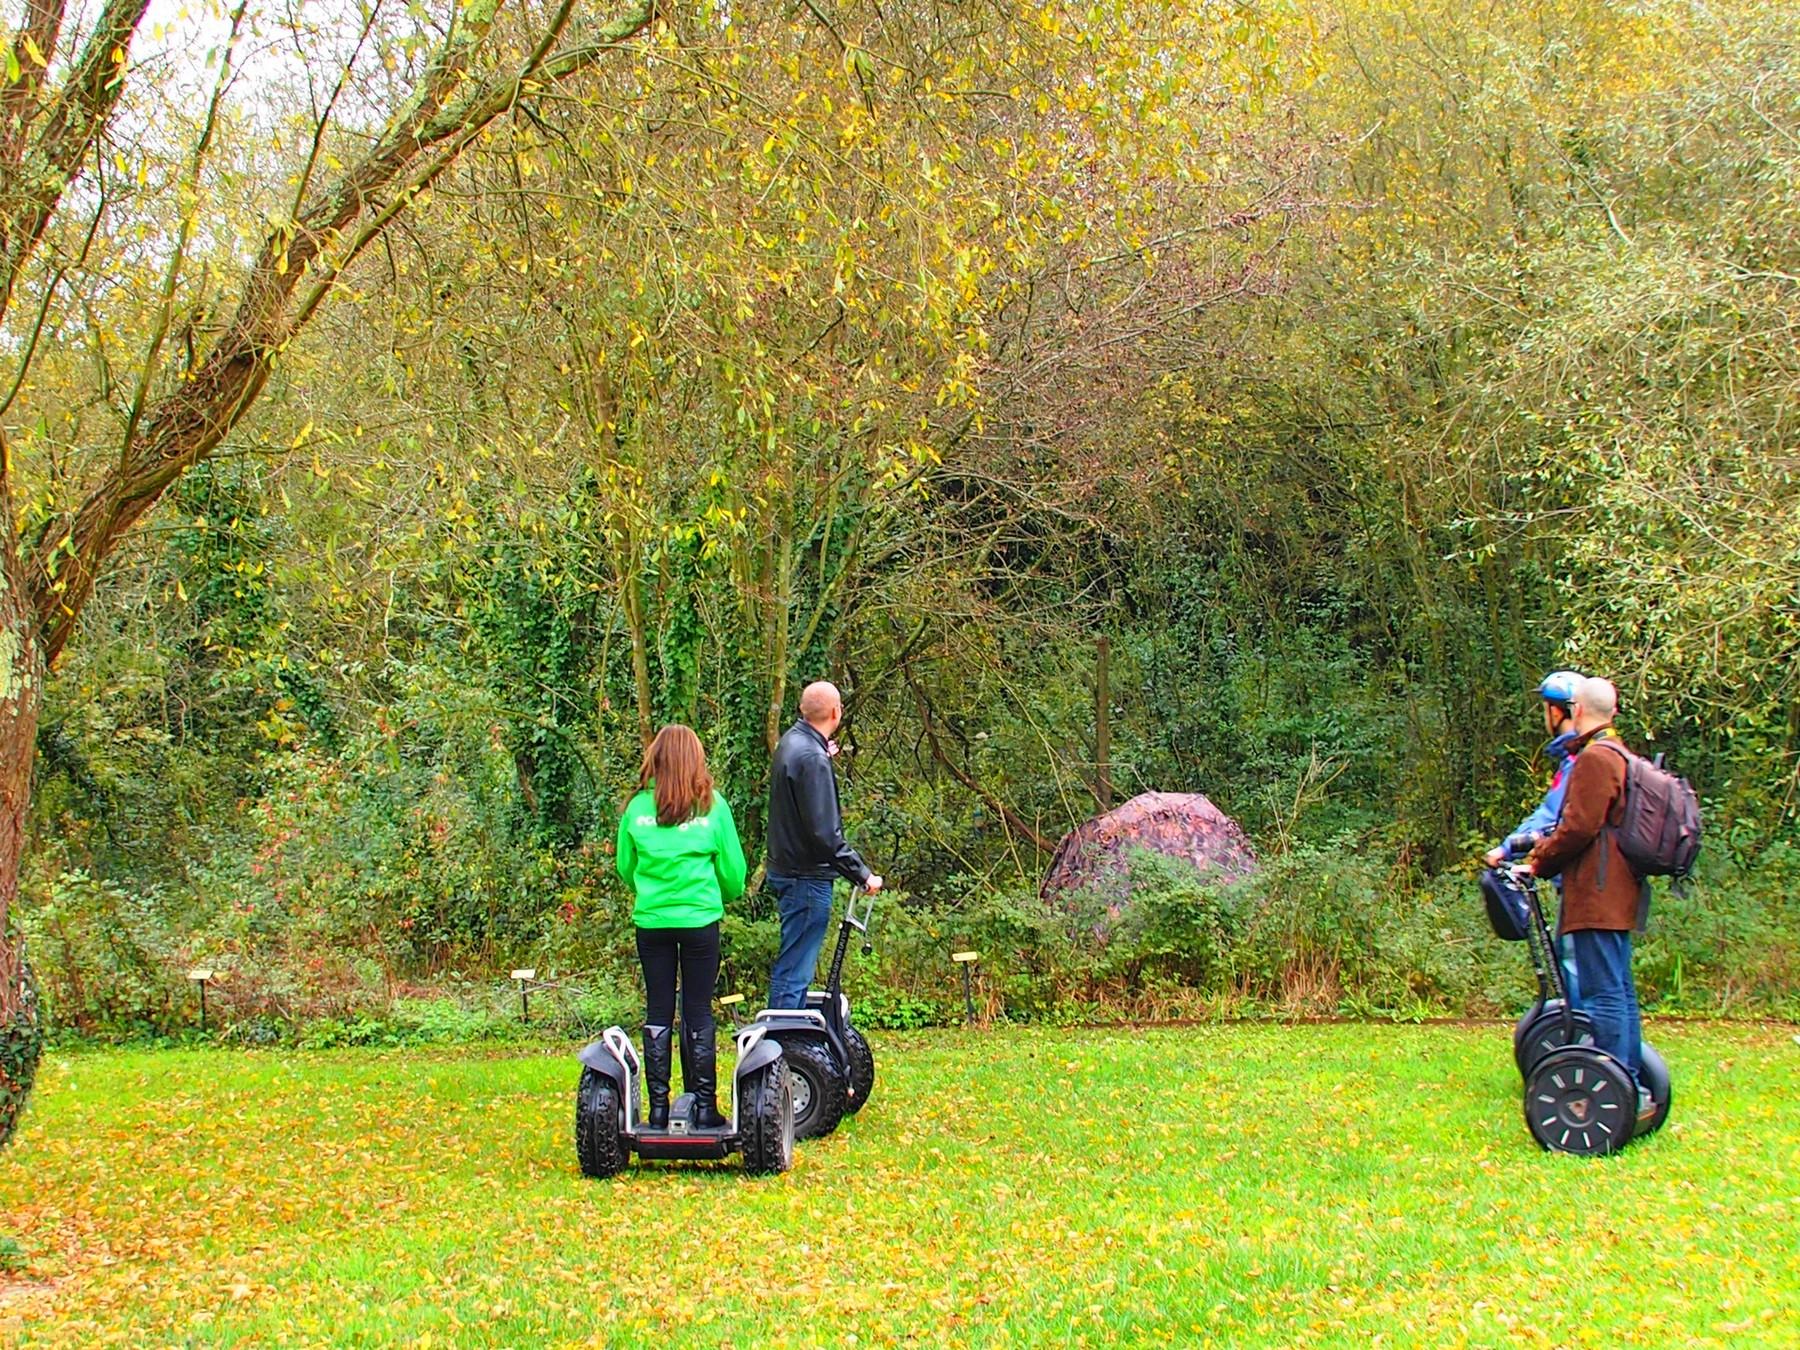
1550 977
1522 843
861 925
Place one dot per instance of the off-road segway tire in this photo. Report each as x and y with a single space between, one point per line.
766 1119
1654 1075
862 1070
819 1086
599 1142
1541 1030
1579 1100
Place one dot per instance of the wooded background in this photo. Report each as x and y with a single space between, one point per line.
408 408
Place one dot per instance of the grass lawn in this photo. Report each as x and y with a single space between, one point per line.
1336 1185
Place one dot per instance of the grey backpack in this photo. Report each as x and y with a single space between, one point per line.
1659 825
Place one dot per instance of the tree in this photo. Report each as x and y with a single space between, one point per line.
408 94
796 324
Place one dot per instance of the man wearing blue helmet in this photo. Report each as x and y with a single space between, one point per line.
1558 692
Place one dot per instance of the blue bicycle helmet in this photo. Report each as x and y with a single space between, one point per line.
1559 687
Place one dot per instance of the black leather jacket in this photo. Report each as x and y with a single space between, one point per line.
806 828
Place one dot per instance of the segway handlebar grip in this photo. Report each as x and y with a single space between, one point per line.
1523 842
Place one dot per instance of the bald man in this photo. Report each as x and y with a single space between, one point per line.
807 848
1602 899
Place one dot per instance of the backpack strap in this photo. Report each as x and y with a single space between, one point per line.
1607 828
1613 743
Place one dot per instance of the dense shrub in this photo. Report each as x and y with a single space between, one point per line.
1329 930
105 956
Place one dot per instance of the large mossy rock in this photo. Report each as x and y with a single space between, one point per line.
1096 855
21 1046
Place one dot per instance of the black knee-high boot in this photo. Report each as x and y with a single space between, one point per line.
656 1074
703 1058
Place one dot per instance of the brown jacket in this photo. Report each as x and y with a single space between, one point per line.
1596 797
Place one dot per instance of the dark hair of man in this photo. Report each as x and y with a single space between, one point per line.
675 765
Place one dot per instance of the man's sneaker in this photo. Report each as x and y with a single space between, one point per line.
1646 1104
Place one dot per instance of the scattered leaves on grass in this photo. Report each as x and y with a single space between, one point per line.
1333 1185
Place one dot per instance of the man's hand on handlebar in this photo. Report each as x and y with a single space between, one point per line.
873 884
1516 846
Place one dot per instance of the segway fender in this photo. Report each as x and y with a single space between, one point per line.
777 1020
764 1052
599 1057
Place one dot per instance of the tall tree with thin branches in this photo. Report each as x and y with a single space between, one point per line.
405 92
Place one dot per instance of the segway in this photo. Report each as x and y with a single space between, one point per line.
830 1062
1578 1098
609 1129
1542 1028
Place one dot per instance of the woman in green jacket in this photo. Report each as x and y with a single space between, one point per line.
678 851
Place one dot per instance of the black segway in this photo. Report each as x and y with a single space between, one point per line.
1578 1098
1543 1027
609 1128
829 1060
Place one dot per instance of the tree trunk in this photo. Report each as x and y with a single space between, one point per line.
639 624
782 616
1102 728
21 697
41 597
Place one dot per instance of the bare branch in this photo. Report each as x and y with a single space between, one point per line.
32 185
448 109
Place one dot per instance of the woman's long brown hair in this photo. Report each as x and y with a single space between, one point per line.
676 763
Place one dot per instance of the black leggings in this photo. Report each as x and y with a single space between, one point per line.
695 952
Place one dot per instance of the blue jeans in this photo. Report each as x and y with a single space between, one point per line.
1565 947
1603 967
804 904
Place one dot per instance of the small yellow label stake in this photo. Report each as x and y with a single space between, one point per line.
200 977
525 977
967 961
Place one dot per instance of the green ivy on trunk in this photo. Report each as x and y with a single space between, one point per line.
21 1046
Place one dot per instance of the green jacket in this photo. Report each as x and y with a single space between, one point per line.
682 874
